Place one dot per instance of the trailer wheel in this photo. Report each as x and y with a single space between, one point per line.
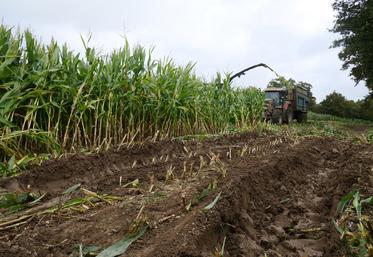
302 117
278 120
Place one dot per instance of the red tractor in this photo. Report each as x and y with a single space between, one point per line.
283 105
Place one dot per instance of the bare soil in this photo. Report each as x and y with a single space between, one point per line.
278 197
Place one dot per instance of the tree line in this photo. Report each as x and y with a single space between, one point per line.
338 105
354 25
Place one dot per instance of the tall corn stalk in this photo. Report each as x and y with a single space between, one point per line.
68 102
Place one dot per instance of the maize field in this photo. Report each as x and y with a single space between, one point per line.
140 163
55 100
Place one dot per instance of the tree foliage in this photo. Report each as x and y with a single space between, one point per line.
282 82
337 104
354 23
366 109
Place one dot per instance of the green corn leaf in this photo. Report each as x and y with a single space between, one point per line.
15 202
344 201
5 122
37 200
121 246
71 189
205 192
357 204
212 204
368 200
74 202
363 251
11 163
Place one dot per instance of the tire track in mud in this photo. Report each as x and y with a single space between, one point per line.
103 171
278 197
294 214
279 205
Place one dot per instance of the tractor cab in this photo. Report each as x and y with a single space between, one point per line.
275 96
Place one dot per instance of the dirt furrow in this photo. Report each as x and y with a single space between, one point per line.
278 197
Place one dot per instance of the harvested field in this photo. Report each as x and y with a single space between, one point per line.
278 196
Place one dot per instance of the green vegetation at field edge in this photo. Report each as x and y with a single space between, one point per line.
359 131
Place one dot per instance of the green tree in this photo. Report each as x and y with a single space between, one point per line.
354 22
333 104
366 108
336 104
282 82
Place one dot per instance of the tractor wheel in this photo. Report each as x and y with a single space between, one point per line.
278 116
289 116
280 120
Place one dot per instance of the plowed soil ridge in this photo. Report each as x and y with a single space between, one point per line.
278 197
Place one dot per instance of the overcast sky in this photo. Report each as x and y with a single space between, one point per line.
291 36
